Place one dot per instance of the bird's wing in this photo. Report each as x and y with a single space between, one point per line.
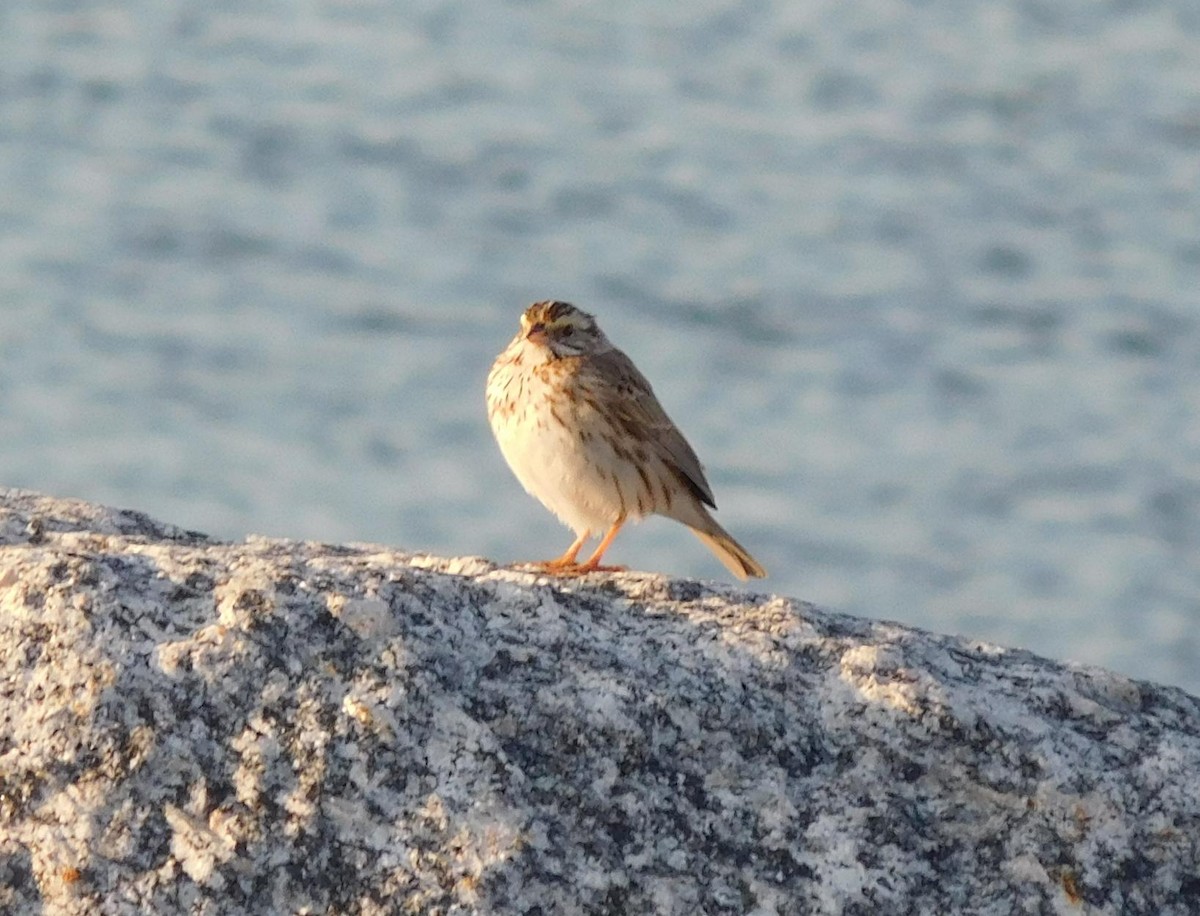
637 413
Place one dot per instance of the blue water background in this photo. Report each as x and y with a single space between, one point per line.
919 280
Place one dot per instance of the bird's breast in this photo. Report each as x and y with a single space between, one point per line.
564 451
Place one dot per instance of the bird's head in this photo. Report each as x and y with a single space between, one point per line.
562 330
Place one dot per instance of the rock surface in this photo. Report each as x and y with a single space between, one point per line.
192 726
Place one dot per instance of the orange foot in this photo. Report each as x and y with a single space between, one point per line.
590 567
558 568
566 565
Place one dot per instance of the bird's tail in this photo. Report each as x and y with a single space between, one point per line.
735 557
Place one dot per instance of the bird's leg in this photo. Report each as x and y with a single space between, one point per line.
592 563
567 560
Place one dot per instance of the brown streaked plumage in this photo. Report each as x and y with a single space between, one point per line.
581 428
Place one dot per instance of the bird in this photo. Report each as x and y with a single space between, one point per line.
582 430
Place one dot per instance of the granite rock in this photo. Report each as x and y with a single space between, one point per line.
194 726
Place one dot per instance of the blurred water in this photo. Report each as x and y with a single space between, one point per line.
918 280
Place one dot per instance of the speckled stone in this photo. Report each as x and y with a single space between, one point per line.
191 726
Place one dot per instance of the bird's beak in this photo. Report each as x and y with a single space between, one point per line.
536 334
